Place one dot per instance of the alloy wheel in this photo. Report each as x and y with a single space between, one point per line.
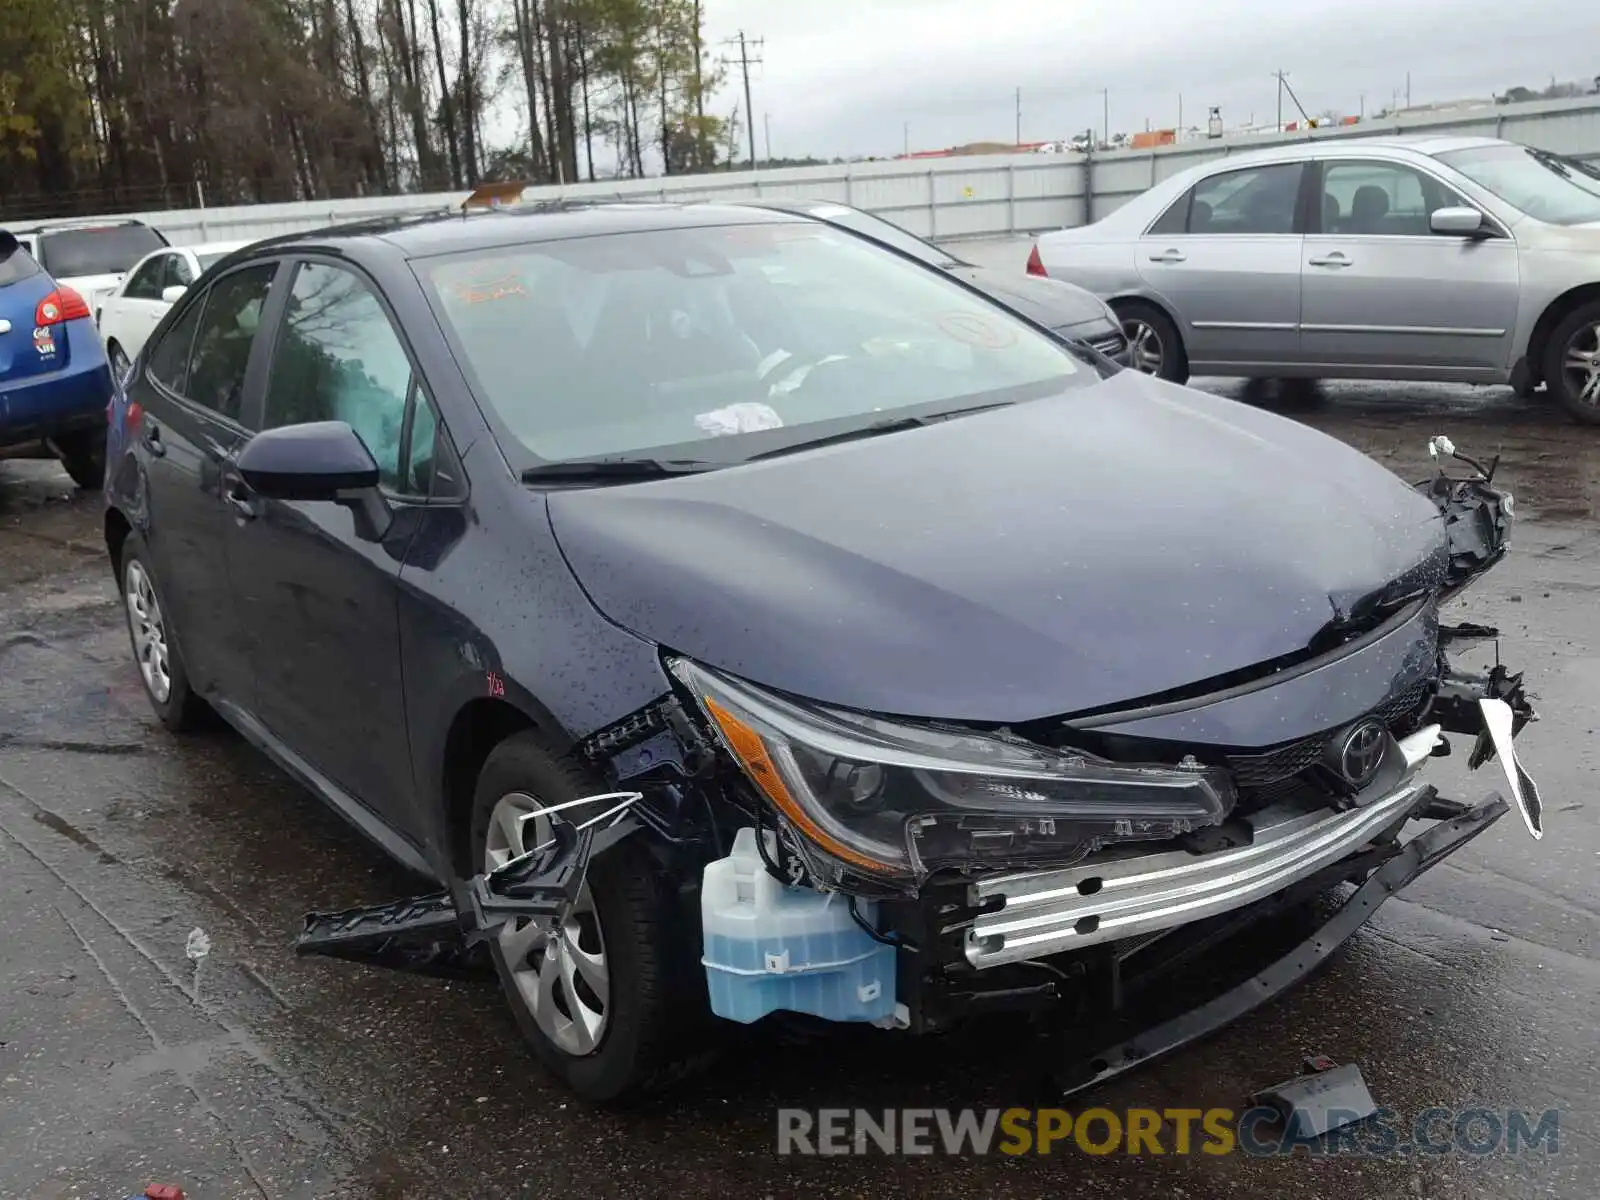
1145 351
1580 363
563 979
149 630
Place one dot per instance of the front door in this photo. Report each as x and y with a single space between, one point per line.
190 395
1226 259
320 603
1380 290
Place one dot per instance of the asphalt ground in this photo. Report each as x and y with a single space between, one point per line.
251 1073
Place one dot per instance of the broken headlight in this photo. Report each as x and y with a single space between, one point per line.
894 801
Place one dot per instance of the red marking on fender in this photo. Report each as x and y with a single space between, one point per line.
497 686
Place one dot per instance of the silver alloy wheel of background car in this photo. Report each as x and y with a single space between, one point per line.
149 631
564 981
1145 351
1581 364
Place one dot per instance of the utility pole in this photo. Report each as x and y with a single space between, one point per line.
1019 117
1180 115
766 125
906 129
745 63
1105 96
1279 76
1408 89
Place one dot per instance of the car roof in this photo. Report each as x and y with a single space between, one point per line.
1346 147
449 233
79 223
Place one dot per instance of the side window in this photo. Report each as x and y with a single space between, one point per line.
1254 200
339 359
146 282
226 332
1380 198
178 272
1175 219
430 467
169 357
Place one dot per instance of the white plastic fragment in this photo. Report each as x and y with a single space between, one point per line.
1441 445
198 944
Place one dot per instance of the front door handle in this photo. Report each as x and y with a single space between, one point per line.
239 497
1168 256
152 439
1336 258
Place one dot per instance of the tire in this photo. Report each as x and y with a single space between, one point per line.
83 456
655 1008
1572 363
179 709
1147 325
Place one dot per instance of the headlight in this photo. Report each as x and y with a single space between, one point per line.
892 801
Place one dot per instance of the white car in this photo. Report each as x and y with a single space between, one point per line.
131 313
90 257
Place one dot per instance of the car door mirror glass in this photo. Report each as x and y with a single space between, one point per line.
1461 221
171 295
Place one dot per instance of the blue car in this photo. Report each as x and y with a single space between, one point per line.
55 384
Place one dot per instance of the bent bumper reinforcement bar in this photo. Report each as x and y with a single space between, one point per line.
1415 857
1049 912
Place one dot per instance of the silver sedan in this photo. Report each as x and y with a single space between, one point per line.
1466 260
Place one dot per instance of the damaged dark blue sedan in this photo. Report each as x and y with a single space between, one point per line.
737 618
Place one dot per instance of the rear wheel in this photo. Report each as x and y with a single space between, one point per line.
607 1002
161 669
83 457
1572 363
1154 345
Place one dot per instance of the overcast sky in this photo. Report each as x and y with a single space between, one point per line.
843 77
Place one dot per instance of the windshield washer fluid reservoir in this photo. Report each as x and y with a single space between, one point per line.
769 946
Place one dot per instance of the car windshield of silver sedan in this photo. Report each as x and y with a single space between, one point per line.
622 344
1548 187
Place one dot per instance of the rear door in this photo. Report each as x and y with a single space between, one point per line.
131 316
1382 291
1226 258
191 393
320 603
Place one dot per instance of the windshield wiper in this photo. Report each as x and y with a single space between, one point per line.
877 428
615 470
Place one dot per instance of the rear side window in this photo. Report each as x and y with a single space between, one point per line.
169 357
223 339
1176 218
16 266
106 250
1251 201
339 359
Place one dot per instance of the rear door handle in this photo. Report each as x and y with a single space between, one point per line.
1336 258
152 440
1168 256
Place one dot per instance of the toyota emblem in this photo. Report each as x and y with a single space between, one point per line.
1362 753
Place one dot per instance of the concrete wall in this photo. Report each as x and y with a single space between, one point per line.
988 196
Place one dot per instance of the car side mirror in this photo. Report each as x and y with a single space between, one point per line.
319 460
171 295
1460 221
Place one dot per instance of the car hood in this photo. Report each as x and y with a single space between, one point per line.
1050 302
1103 546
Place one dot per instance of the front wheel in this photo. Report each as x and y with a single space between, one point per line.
1155 346
83 457
609 1001
1572 364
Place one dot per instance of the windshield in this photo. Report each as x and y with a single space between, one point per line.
884 231
739 335
108 250
1546 186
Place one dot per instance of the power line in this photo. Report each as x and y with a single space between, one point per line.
745 63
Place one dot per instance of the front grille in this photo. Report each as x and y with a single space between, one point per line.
1259 776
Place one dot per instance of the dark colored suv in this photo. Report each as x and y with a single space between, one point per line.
945 660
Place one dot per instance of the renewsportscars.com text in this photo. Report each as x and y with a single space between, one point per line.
1257 1132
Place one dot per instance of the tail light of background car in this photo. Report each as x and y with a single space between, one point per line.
1035 263
59 307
